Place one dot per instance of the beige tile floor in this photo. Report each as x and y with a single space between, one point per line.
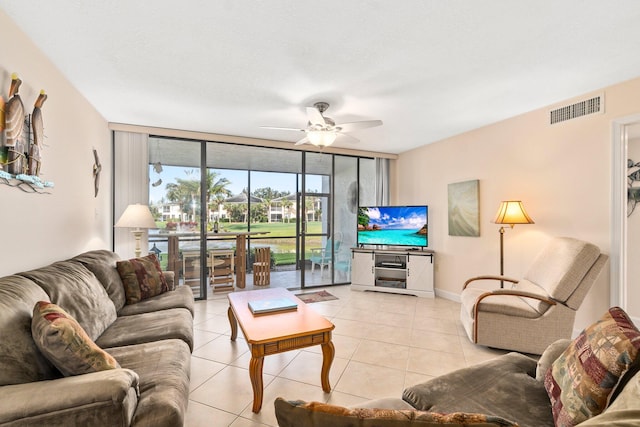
384 343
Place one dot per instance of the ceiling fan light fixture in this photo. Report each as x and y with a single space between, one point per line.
322 131
321 138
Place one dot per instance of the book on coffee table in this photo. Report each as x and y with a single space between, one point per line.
272 305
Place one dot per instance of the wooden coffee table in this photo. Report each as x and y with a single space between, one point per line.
278 332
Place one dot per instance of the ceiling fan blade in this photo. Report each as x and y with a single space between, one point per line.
348 138
315 118
350 127
279 128
302 141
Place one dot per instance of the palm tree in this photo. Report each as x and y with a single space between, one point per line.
217 190
309 206
286 205
186 191
216 203
183 192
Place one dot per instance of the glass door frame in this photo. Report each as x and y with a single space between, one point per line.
327 170
302 231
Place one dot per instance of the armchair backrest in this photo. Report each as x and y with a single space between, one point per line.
562 267
332 246
577 297
336 246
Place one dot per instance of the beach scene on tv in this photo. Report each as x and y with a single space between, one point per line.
393 226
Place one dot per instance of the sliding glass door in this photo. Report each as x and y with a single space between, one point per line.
345 198
175 200
300 205
315 258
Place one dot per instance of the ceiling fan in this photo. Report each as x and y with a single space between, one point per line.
322 131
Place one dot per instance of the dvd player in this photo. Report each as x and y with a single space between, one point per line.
391 264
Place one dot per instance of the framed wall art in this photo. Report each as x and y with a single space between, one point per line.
464 209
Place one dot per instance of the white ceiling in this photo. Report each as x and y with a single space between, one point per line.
429 69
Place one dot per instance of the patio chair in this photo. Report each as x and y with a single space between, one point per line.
324 256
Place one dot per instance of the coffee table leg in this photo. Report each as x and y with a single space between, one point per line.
234 324
328 351
255 373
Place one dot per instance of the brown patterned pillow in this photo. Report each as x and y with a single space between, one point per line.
316 414
142 278
581 381
63 341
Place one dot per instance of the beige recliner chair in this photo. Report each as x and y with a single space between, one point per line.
531 313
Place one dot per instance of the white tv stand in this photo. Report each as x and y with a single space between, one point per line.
396 271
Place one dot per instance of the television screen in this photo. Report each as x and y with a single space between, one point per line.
393 225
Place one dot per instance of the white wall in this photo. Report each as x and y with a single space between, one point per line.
562 173
36 229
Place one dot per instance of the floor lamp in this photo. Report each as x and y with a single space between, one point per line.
139 218
510 212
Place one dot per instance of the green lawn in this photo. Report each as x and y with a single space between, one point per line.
284 258
275 229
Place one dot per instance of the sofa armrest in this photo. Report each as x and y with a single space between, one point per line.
170 277
504 386
101 398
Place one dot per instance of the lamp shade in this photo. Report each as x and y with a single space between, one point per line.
512 212
136 216
321 138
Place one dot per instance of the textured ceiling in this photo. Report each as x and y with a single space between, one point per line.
429 69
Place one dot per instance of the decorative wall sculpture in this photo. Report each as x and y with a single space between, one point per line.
14 124
97 168
23 135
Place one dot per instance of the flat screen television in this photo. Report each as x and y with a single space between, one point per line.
393 226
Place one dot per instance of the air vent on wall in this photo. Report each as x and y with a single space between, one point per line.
579 109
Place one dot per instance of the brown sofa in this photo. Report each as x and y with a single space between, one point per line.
591 381
151 340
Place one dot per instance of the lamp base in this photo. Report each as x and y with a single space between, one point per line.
138 236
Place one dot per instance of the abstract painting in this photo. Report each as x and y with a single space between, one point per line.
464 209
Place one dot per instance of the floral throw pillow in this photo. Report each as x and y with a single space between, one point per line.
142 278
63 341
316 414
581 381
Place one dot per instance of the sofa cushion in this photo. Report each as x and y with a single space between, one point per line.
181 297
581 381
527 286
77 291
21 360
102 263
142 278
504 387
63 341
500 304
316 414
164 368
149 327
624 411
